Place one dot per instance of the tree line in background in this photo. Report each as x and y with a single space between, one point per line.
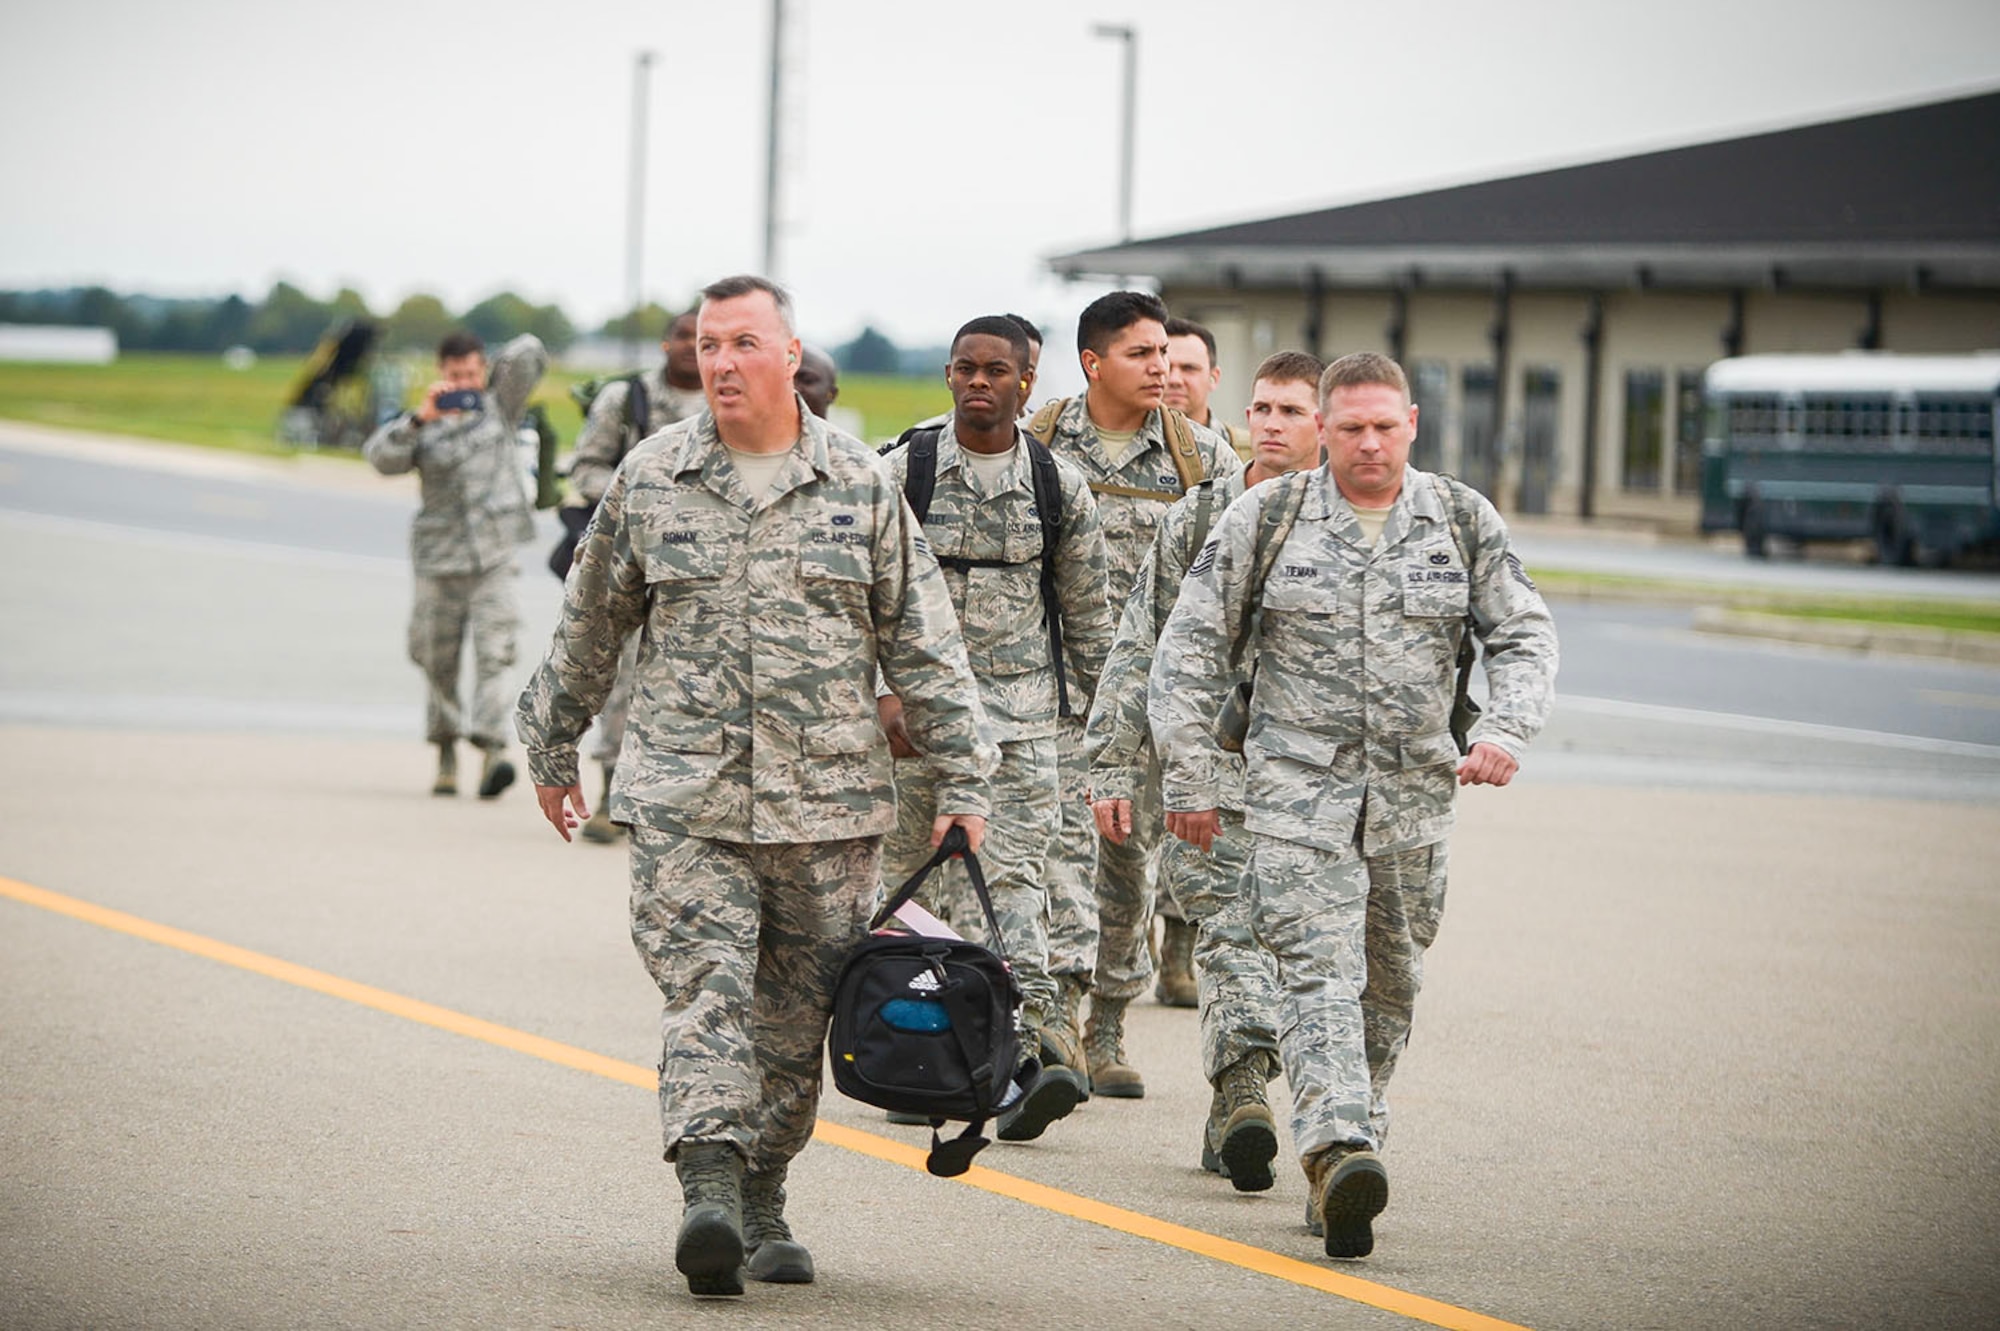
287 321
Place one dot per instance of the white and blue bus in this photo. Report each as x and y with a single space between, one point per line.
1895 449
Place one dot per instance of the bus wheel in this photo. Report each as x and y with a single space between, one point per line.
1894 546
1756 539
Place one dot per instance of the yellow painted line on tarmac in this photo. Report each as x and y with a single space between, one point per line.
1135 1223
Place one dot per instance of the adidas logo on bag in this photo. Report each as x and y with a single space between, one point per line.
925 982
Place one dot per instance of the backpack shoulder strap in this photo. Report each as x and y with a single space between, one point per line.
1042 425
1048 507
1275 521
1181 445
638 409
1204 518
921 479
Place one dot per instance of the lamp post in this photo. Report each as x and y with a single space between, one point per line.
635 206
1129 35
771 144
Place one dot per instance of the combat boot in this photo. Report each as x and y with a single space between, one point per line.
496 775
1062 1031
447 777
599 827
1242 1135
1175 986
1348 1188
776 1258
1054 1091
709 1251
1104 1050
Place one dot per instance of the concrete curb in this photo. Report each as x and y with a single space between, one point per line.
1853 636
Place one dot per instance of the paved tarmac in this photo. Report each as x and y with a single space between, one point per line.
1708 1039
1685 1059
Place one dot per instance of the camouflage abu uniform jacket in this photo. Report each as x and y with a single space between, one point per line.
602 444
1117 736
754 713
1000 609
475 497
1129 520
1355 669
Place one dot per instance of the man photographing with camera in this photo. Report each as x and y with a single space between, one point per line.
460 442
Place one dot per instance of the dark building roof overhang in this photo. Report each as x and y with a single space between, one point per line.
1900 198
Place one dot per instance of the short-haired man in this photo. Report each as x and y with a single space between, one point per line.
984 524
1140 456
460 441
818 381
1193 371
1362 579
1237 988
624 412
774 570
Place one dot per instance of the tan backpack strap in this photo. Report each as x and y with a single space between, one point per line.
1180 444
1133 492
1042 425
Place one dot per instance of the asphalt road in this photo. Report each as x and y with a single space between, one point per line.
1707 1040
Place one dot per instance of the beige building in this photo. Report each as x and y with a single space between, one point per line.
1556 325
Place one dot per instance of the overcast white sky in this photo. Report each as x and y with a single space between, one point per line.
936 152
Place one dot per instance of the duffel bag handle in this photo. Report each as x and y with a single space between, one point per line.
954 845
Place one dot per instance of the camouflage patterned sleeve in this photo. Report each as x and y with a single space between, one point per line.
604 599
601 443
1519 637
392 449
1083 575
1191 666
1115 740
517 368
922 657
1115 737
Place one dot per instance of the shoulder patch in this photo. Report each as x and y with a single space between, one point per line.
1520 574
1204 561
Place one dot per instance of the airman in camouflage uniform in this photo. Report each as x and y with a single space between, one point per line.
773 568
616 423
1235 980
984 525
474 512
1349 753
1101 892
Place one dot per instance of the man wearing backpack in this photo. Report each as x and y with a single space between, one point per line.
1362 579
1236 983
623 412
1139 456
1016 532
1192 375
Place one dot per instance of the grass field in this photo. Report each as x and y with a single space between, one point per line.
1957 615
199 400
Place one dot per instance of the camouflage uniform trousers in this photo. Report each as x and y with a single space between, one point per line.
1349 936
1235 980
1126 888
446 606
611 721
1071 870
1018 836
746 943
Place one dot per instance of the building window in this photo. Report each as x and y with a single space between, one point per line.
1645 425
1478 445
1430 388
1688 417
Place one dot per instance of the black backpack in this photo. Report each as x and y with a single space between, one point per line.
921 481
638 420
930 1026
